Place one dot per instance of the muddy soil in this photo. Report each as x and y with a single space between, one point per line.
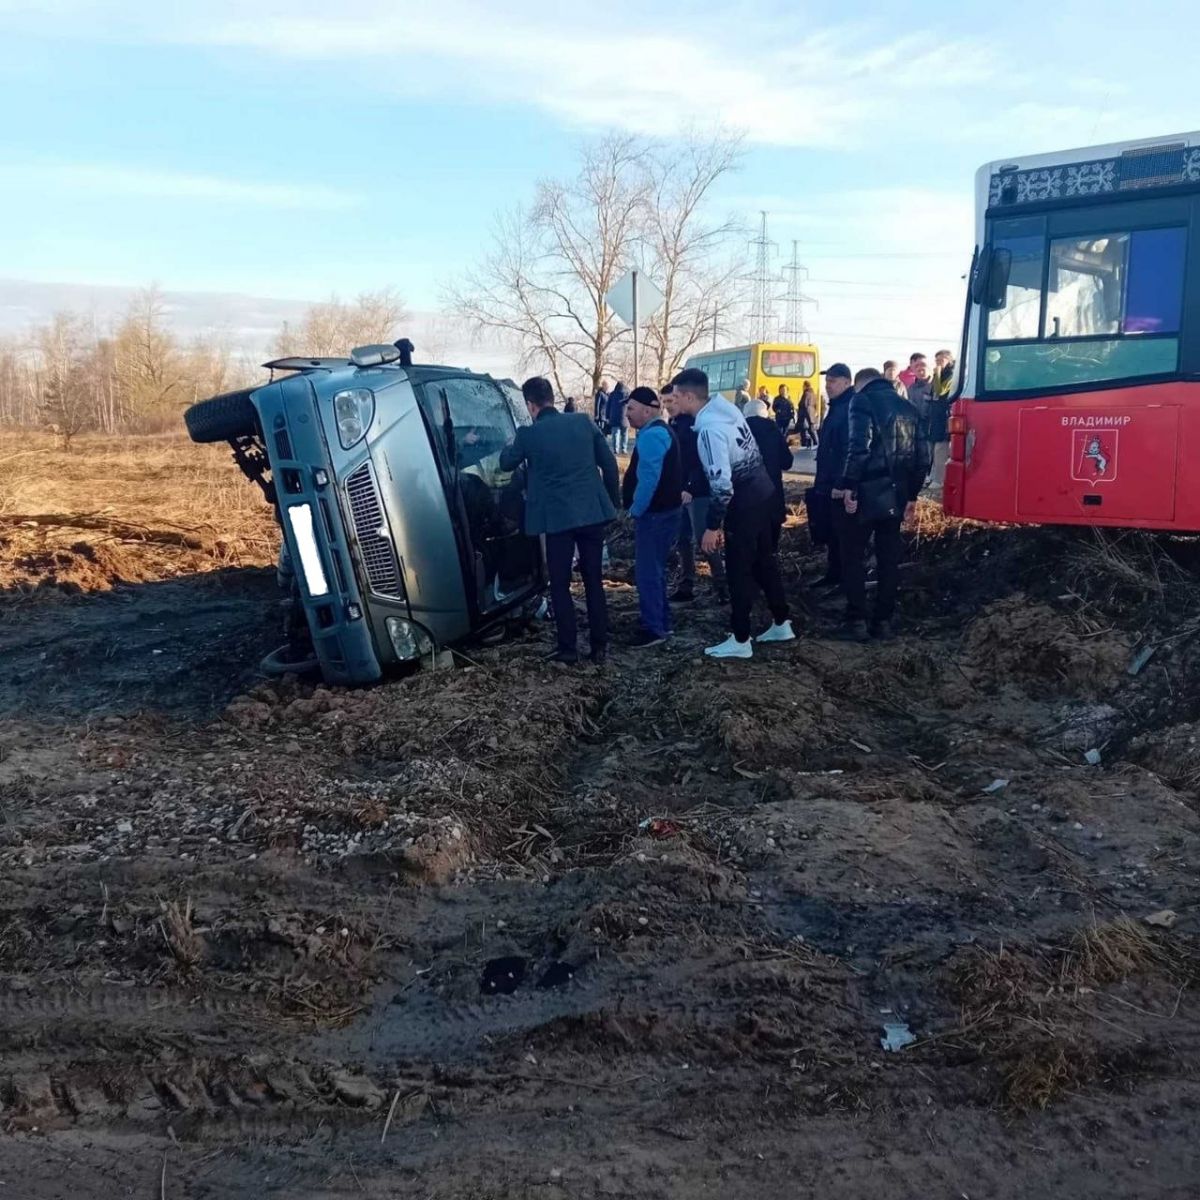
522 931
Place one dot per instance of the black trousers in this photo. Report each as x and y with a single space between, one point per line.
834 549
855 536
751 566
560 553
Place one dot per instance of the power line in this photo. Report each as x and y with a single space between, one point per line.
793 272
762 314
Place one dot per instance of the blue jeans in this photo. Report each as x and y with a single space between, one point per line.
620 440
693 522
655 535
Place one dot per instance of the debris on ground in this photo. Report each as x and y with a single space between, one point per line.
616 920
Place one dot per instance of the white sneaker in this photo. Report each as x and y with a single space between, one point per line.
731 648
783 632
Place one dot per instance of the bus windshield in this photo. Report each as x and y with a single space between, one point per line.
789 364
1089 306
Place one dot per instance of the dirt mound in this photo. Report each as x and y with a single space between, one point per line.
758 722
1045 651
52 559
1172 754
1037 1015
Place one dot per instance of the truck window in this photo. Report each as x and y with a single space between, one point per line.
482 421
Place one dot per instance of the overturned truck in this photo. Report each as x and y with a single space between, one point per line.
400 533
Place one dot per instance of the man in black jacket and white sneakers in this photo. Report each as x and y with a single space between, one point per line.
739 513
887 461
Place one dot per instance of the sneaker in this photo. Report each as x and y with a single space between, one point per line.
683 595
568 657
780 632
722 594
883 631
731 648
853 631
644 639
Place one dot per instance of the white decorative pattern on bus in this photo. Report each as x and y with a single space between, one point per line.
1095 178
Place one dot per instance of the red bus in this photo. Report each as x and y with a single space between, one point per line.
1078 401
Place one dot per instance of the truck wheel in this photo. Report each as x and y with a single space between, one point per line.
285 661
222 418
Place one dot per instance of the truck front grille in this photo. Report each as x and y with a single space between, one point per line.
374 539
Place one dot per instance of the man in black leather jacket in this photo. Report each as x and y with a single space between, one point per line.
887 461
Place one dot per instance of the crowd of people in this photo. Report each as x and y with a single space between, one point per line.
705 481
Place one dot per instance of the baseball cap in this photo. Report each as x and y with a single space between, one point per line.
838 371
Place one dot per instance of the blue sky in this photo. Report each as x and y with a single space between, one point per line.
293 149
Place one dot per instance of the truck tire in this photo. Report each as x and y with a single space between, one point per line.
287 661
222 418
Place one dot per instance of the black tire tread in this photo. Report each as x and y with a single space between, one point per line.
222 418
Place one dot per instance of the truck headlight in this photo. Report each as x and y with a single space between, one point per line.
408 639
353 412
300 517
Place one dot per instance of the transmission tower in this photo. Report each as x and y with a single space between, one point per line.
794 275
763 325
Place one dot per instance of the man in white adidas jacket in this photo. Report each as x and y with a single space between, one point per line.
739 515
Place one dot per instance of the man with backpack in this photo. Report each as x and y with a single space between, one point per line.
887 461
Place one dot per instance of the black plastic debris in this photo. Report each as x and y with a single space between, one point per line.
502 976
556 975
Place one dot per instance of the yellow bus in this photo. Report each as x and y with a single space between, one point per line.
764 364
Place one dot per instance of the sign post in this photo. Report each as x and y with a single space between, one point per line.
633 298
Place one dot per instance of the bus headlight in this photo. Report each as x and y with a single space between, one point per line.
408 639
353 412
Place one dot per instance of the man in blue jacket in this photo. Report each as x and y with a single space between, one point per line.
574 488
618 418
653 494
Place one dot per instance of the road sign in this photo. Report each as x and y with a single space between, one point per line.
633 308
633 298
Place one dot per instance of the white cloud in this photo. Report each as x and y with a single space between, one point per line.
801 86
96 179
771 72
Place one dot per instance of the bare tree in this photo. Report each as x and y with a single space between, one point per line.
148 364
75 377
504 298
687 254
66 399
548 271
544 279
334 327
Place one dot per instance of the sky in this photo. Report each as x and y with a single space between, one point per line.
288 150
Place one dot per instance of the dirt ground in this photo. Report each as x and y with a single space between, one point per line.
515 930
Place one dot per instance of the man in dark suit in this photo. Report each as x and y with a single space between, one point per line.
574 492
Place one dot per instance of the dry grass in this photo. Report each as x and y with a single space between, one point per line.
1027 1011
185 945
128 509
151 481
